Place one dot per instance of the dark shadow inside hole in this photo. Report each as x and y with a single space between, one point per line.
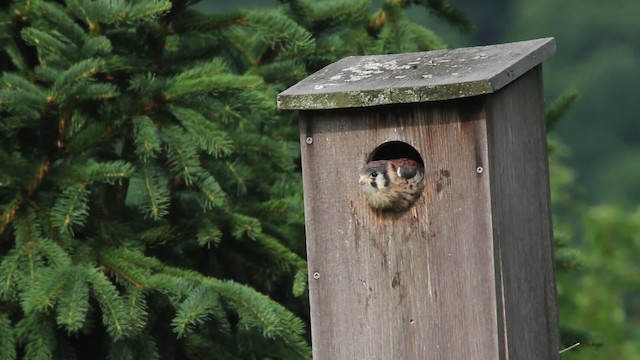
395 150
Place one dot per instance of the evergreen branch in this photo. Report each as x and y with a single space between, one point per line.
73 303
209 22
136 310
114 313
145 11
35 331
200 347
215 66
75 75
22 233
324 15
95 47
240 174
158 276
63 120
71 208
267 35
55 255
278 251
159 234
300 282
394 36
139 347
18 91
145 138
178 88
7 338
16 57
203 131
282 71
128 64
44 291
208 233
245 225
425 38
146 109
157 199
13 168
199 306
108 171
48 43
123 271
144 84
11 211
213 196
275 27
63 23
377 21
11 274
255 309
182 155
46 74
333 47
100 91
280 152
119 11
556 110
89 136
258 311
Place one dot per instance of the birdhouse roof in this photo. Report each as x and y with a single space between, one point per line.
359 81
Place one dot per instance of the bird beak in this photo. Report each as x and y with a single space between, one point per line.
364 179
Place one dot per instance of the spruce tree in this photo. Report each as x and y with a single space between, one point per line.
150 196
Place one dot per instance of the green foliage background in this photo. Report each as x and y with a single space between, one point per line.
150 193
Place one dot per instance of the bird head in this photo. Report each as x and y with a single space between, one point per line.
373 176
392 185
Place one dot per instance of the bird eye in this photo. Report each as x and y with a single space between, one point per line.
374 174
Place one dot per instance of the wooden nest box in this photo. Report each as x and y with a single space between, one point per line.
467 272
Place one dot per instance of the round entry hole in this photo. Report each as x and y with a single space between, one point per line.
395 150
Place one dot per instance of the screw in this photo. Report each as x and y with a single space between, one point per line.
479 169
309 140
316 275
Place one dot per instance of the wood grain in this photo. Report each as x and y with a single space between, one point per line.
521 214
467 273
420 285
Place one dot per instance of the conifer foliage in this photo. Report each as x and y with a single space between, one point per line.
150 201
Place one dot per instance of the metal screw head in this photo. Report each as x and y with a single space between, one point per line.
316 275
479 169
309 140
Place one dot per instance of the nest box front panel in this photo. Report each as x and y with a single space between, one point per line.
431 255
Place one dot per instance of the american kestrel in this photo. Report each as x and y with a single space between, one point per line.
392 185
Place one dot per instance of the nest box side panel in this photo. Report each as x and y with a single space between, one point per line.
522 220
416 285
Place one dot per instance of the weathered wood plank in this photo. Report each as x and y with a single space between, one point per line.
416 77
521 214
416 286
468 272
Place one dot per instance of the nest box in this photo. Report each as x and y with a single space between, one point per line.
467 272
